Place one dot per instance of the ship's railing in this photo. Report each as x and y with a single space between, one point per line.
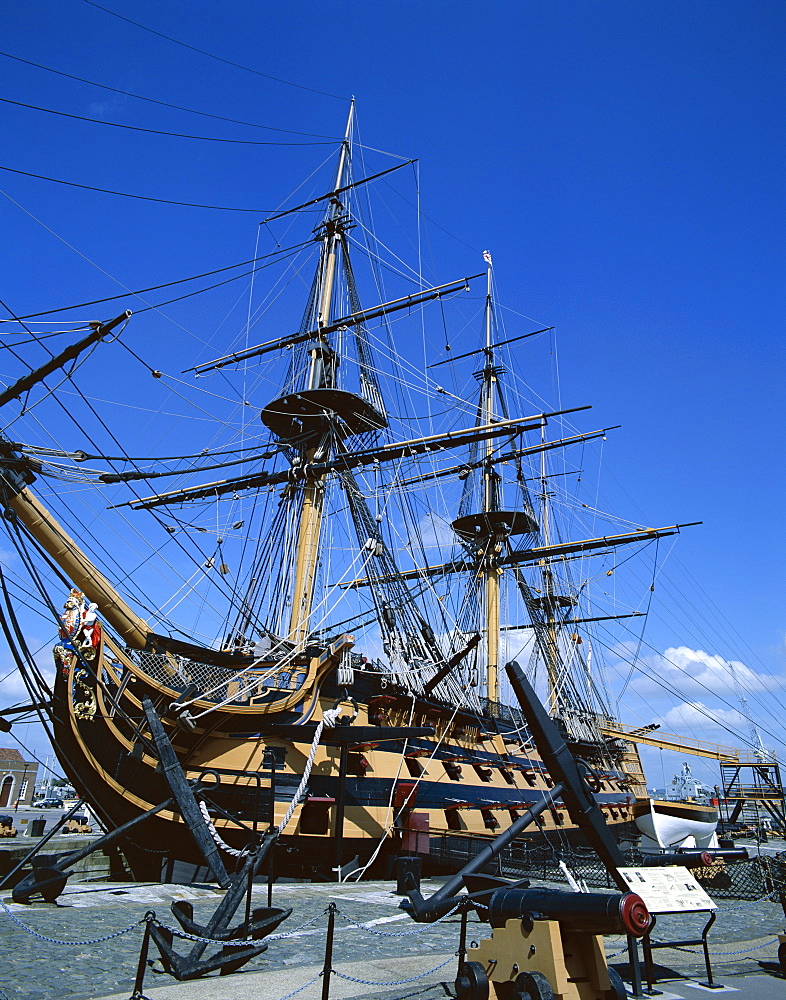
505 713
224 683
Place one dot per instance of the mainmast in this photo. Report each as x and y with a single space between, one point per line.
322 375
490 571
487 529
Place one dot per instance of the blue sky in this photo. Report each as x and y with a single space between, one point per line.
623 161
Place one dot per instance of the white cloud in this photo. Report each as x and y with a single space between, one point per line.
433 532
696 718
694 674
12 687
7 558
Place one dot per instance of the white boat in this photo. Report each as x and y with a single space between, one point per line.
688 819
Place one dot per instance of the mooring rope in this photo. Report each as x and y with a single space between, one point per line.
328 720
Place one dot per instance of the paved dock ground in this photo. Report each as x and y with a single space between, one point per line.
743 944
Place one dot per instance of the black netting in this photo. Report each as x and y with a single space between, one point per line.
752 879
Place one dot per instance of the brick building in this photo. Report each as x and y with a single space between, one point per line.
17 779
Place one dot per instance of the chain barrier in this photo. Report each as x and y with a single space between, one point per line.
772 896
303 987
42 937
329 970
720 954
715 954
744 951
238 943
397 982
396 934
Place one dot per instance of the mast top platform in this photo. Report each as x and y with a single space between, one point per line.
494 523
313 411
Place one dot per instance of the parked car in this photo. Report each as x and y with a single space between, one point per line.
48 804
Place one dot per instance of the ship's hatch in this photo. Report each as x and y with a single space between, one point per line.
313 411
500 523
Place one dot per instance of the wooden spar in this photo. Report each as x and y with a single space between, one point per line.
78 568
69 354
490 347
387 453
338 190
507 456
551 649
536 554
408 302
578 621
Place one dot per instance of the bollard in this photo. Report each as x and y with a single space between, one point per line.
327 968
462 948
141 968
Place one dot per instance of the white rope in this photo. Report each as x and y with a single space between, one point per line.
329 720
217 836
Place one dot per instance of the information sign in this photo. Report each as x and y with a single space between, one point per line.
671 889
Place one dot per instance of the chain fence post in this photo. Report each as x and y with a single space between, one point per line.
462 948
141 968
328 966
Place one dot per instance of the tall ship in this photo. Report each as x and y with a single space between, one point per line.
302 608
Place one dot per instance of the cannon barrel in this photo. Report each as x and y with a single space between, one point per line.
591 912
727 853
694 857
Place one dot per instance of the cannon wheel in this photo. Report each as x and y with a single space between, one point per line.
617 985
472 982
532 986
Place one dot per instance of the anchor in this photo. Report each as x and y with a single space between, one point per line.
257 924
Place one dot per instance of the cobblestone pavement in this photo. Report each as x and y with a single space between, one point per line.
35 969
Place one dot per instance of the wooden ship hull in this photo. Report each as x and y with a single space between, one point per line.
461 786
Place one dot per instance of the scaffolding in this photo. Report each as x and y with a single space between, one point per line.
755 786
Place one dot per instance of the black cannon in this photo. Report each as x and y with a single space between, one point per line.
589 912
694 857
